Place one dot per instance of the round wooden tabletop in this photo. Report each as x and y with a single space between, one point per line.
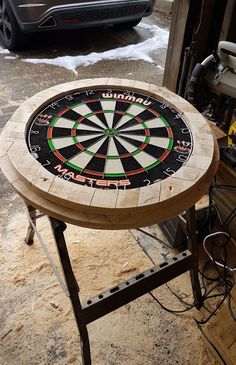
108 153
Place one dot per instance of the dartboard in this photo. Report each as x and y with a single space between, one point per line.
110 139
108 153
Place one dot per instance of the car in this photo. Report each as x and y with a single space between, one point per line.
18 18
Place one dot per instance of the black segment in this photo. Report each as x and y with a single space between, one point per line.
134 142
91 141
96 164
120 148
128 124
136 132
154 151
84 132
121 107
71 115
69 151
91 124
129 163
61 132
159 132
104 147
96 106
146 115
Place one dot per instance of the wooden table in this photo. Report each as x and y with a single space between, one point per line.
110 154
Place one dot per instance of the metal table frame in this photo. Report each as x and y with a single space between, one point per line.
126 291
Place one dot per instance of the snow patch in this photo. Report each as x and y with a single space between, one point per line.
3 50
140 51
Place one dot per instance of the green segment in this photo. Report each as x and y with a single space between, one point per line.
144 125
164 121
89 115
170 144
75 140
108 99
135 152
89 152
110 132
147 139
130 115
114 157
74 166
153 165
53 122
75 105
115 175
51 145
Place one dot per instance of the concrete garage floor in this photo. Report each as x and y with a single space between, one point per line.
36 320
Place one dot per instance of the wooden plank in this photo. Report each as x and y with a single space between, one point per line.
175 45
218 133
114 209
221 330
226 198
105 198
227 19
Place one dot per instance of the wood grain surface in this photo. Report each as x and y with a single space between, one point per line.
108 209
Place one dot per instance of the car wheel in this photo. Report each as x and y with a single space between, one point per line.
10 33
128 25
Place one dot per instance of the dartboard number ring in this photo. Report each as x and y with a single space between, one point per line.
110 139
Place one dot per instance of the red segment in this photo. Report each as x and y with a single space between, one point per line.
80 146
164 155
142 146
93 173
90 101
59 156
100 156
153 112
49 133
147 132
135 172
125 155
73 132
138 120
98 112
80 119
169 130
118 112
63 111
124 101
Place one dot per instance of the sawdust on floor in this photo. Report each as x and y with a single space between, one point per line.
37 325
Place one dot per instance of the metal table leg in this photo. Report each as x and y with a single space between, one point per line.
29 239
58 228
122 293
192 246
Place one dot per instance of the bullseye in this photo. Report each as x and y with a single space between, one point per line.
110 132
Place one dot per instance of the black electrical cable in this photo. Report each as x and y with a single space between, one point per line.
156 238
211 343
230 308
221 279
230 217
173 311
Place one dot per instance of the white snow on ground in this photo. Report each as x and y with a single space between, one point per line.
10 58
3 50
140 51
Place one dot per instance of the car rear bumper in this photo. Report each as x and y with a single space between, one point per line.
89 14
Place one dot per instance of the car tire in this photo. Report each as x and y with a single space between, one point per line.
128 25
11 35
